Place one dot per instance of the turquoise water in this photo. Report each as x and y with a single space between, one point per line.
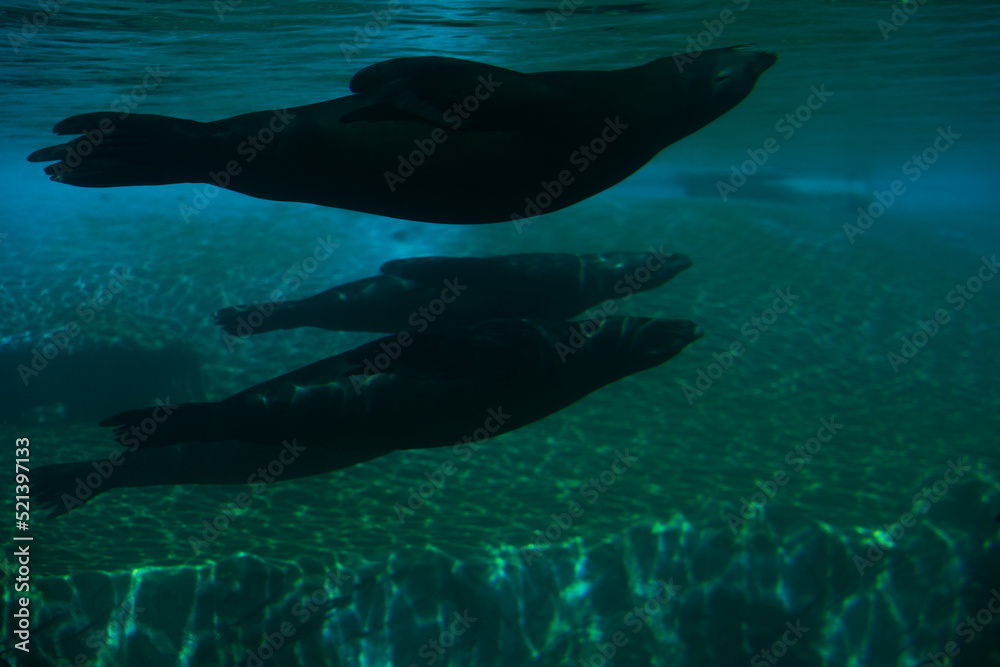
892 93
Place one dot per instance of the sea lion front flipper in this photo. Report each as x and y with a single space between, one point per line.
437 91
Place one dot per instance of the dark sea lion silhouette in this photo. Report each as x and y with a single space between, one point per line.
424 293
441 387
429 138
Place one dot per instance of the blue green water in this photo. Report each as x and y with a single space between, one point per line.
893 93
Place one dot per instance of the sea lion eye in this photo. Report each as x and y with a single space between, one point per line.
722 76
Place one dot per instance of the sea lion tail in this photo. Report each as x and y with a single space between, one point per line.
57 487
127 149
166 425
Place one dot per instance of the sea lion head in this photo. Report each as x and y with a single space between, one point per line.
620 346
719 79
648 342
640 271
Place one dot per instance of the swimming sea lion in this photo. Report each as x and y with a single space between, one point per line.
440 388
425 293
429 138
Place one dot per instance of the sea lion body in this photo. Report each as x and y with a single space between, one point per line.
433 293
442 387
429 139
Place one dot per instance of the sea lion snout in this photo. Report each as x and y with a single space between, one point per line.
754 60
658 339
754 49
763 61
725 77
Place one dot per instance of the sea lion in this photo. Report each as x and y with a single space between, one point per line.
427 293
493 377
431 139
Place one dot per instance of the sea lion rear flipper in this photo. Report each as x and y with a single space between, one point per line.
53 487
130 149
453 93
